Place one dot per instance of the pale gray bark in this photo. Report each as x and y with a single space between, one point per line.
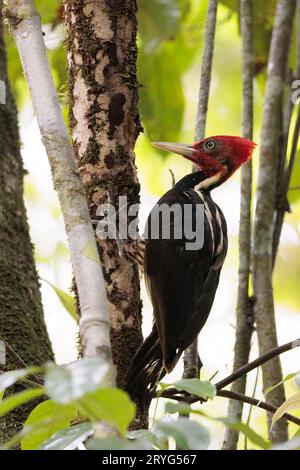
244 313
206 68
266 193
25 25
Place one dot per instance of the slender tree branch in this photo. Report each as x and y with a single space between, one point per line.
25 25
20 360
207 60
184 397
284 181
174 394
257 362
191 357
253 401
284 205
190 399
244 309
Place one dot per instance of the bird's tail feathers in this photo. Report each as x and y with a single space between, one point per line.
146 370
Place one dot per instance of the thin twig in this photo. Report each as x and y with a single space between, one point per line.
22 362
14 353
173 394
251 407
255 402
244 308
257 362
284 205
191 357
208 53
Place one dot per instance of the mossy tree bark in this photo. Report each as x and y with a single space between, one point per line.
22 323
104 121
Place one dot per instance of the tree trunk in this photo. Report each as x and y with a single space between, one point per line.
94 326
104 121
265 209
22 323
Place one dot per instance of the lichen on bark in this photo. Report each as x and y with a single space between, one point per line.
104 121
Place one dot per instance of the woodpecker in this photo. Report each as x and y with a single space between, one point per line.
181 281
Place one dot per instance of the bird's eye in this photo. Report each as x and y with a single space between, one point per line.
209 145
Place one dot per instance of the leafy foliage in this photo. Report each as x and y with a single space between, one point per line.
187 434
71 382
110 405
79 398
69 438
66 299
170 43
291 403
11 377
10 403
46 419
170 34
202 389
245 429
263 17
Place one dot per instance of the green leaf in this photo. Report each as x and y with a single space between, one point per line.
108 404
68 439
158 20
252 435
72 381
263 18
7 379
116 443
48 9
196 387
10 403
44 421
285 379
66 299
143 435
183 408
162 60
162 101
291 404
294 194
188 434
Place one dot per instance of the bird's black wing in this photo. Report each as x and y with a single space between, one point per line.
182 283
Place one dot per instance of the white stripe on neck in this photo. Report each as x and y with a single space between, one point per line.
208 182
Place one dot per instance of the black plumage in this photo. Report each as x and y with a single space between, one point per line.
182 285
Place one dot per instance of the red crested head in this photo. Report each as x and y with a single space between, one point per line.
216 157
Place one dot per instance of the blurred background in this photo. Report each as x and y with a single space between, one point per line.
170 42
